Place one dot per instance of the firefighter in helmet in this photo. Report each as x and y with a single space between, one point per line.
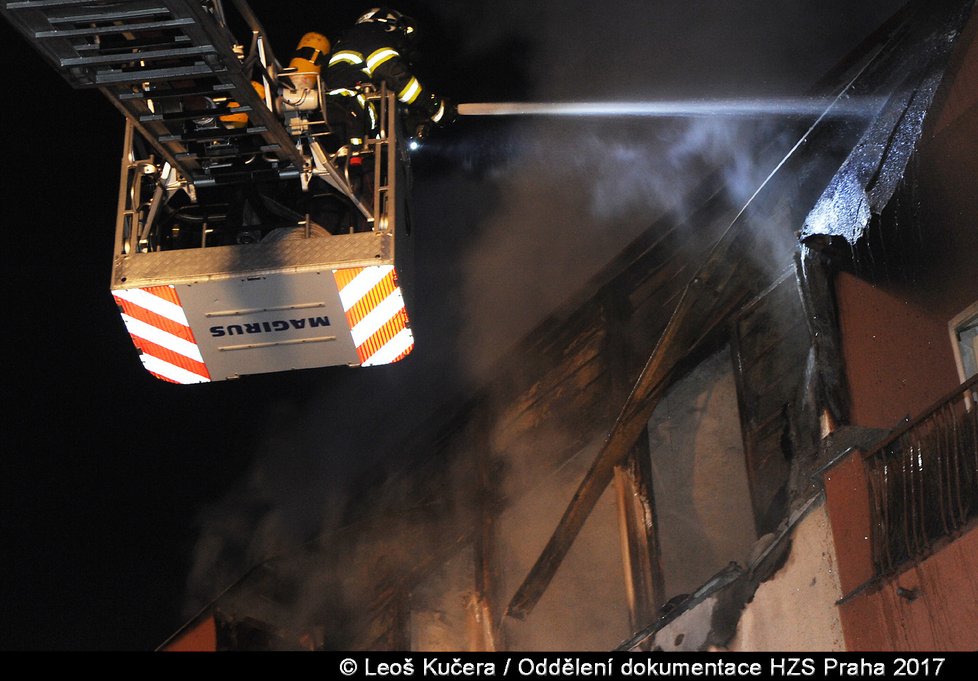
376 50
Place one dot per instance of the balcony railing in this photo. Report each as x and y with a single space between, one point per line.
924 481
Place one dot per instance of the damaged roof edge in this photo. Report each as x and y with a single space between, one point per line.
870 175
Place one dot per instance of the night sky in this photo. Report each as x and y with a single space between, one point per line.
126 501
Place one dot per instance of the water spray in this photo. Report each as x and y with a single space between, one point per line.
861 107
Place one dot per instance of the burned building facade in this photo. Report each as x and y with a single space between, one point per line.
755 430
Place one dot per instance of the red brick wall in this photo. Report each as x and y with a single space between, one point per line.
938 612
847 499
898 357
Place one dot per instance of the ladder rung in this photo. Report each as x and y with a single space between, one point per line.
103 30
234 176
147 10
191 114
231 152
207 135
142 44
212 154
40 4
170 93
111 77
150 55
286 173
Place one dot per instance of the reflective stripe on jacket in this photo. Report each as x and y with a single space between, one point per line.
369 53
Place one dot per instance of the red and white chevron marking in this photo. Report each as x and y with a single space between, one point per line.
375 312
159 329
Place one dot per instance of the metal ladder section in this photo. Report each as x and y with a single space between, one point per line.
162 63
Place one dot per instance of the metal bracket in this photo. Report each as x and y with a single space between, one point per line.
325 169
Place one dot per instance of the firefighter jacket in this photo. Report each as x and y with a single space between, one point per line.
369 53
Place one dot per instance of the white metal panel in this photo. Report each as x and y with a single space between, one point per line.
271 322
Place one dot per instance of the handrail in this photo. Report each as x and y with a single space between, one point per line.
969 384
923 481
923 489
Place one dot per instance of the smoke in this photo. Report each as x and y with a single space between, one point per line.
573 195
568 616
287 497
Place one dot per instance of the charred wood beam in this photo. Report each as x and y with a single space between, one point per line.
481 626
633 480
644 585
484 635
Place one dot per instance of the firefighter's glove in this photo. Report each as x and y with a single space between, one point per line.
446 114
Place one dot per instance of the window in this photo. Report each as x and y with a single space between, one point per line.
964 337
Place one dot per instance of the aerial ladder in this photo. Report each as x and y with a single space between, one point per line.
248 240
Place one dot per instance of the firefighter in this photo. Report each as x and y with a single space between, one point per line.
376 51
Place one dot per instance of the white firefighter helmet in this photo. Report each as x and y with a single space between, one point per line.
392 20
